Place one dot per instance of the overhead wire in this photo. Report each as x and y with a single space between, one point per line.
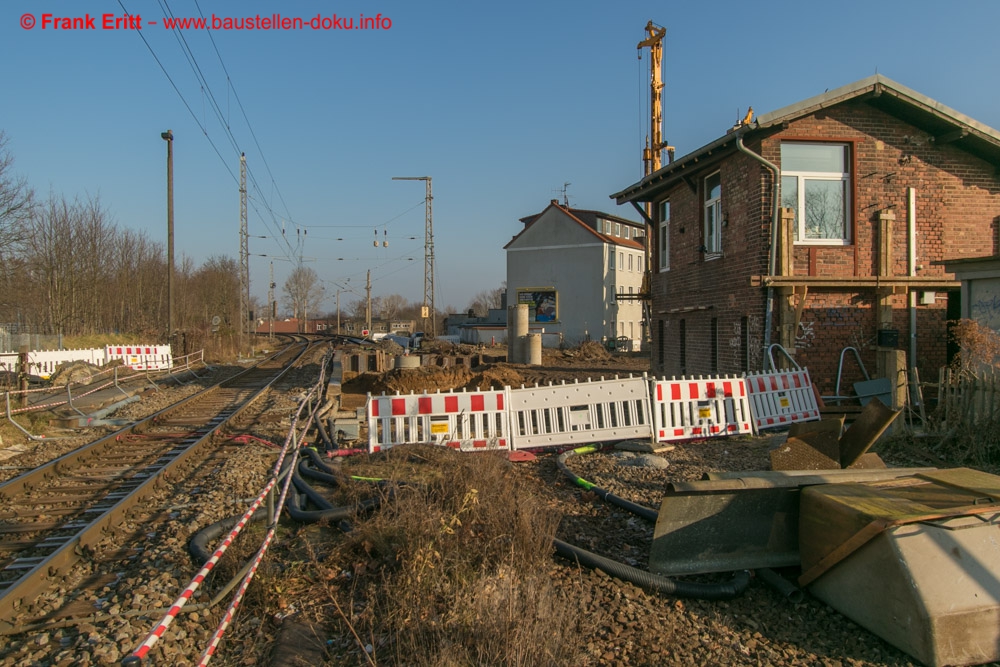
260 200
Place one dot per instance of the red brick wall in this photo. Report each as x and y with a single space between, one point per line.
957 210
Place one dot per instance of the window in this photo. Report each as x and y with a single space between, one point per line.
630 261
664 236
713 214
611 259
618 229
625 231
814 183
621 261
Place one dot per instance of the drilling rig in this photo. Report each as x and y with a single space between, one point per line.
652 154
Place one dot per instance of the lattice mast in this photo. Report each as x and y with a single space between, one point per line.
428 306
244 254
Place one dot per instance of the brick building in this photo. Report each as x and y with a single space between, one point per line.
820 227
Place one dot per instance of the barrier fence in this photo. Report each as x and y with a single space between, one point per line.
782 398
701 408
581 412
659 411
44 363
462 420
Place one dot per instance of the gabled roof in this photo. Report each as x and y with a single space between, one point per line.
572 214
943 123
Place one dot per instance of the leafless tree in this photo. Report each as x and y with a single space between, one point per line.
487 299
16 200
303 292
391 306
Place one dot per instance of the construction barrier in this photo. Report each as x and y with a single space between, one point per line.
44 363
141 357
781 398
469 421
584 412
700 408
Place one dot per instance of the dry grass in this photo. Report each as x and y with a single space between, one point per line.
454 571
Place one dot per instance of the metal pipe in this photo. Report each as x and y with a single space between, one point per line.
911 223
772 259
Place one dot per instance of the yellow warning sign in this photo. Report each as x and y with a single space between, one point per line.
439 427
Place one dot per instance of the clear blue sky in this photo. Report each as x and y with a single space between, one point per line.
500 103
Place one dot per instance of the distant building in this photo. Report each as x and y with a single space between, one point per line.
580 272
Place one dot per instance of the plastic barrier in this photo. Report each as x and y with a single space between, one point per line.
781 398
469 421
44 363
700 408
581 412
141 357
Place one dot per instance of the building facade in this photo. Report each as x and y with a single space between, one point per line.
580 272
820 227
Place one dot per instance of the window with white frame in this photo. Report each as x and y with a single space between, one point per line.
713 214
611 258
630 261
815 182
618 229
621 261
664 235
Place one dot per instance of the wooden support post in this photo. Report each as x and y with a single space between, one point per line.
886 219
787 320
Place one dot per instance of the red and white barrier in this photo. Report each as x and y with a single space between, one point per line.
469 421
685 409
781 398
141 357
580 413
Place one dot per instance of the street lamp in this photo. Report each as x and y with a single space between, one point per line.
168 136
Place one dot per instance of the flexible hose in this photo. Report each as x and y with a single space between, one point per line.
648 580
639 510
790 591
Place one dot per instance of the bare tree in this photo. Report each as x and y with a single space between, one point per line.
391 306
303 292
16 200
487 299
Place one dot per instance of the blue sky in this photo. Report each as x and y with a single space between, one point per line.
499 103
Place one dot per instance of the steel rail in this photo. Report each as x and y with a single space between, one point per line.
31 576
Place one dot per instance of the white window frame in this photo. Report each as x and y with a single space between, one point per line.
611 258
803 176
618 229
712 211
664 235
621 260
630 262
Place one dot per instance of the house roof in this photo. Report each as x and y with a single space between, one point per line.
944 124
577 215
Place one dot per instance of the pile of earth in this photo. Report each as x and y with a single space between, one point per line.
435 378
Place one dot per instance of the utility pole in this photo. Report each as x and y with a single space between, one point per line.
428 309
270 303
244 256
168 136
368 303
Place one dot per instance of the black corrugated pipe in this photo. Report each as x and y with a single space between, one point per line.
324 436
639 510
199 547
328 512
790 591
656 582
682 589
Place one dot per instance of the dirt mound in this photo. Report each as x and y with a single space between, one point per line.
73 371
589 351
496 376
407 380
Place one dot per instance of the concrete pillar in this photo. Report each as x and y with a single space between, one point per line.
533 349
517 327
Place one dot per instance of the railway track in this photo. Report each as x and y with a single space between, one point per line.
52 516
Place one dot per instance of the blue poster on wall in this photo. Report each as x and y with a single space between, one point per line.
541 304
